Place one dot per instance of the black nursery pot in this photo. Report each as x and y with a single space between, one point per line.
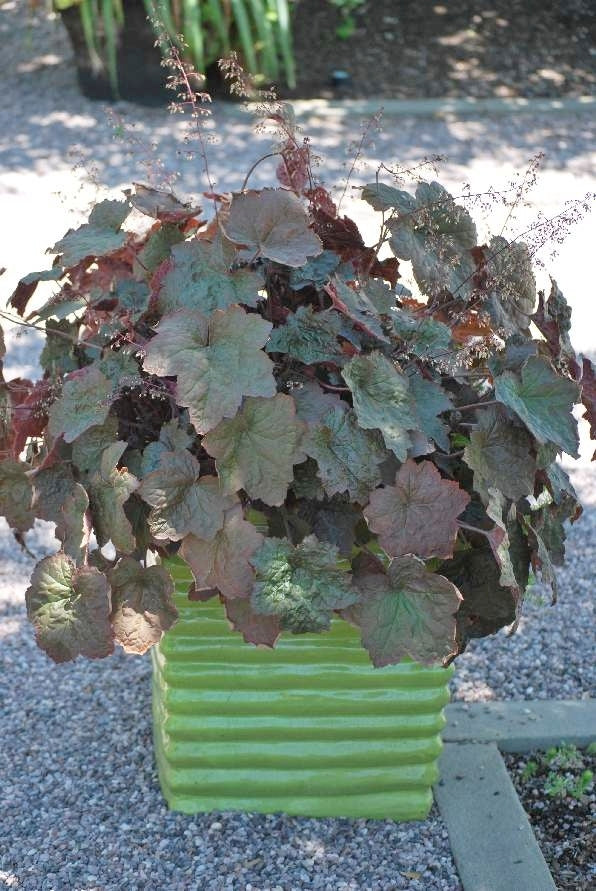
141 77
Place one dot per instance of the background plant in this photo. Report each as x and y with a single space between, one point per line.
259 395
346 8
562 770
206 30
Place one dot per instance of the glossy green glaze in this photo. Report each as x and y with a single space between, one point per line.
309 728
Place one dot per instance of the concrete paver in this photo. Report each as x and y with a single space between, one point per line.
522 726
492 841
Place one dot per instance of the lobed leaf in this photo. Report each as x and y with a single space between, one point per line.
300 585
156 250
437 235
544 402
201 277
142 605
511 286
133 297
121 368
100 236
418 515
73 527
59 499
182 503
425 337
540 555
217 362
499 454
429 400
256 450
272 223
70 608
57 356
159 204
316 272
356 304
487 605
172 438
16 494
87 448
348 457
85 403
223 562
407 612
313 403
263 631
503 540
309 337
109 489
382 400
27 285
383 198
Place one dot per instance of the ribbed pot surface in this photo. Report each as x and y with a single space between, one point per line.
309 728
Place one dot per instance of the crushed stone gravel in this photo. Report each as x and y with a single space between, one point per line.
80 808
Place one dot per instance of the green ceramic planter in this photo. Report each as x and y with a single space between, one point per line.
309 728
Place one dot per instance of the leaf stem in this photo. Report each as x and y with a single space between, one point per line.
333 388
475 405
255 165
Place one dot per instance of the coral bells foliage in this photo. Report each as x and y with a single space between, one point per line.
259 395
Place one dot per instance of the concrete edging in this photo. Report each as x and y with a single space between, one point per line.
493 844
418 108
442 107
522 726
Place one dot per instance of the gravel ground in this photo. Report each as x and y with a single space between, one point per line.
79 804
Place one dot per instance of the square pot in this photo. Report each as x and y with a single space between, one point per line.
309 728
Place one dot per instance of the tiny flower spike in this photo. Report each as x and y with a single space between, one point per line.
258 394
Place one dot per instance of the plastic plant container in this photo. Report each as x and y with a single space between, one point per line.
309 728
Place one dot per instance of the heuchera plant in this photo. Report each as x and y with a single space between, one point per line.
260 396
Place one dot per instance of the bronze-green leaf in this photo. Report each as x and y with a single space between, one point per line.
109 489
407 612
272 223
348 457
499 453
417 515
182 503
256 450
300 585
382 400
202 277
216 361
85 403
142 606
262 631
223 562
101 235
309 336
70 609
544 401
16 494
